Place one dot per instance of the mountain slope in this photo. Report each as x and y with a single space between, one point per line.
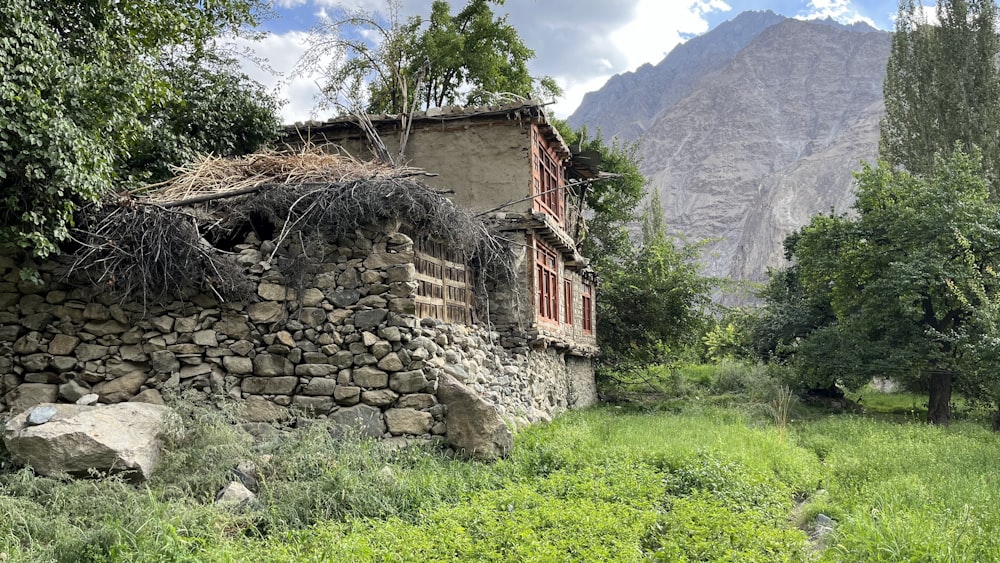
629 102
760 144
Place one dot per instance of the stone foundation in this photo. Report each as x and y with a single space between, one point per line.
335 338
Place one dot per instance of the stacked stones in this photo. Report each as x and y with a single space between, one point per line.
340 342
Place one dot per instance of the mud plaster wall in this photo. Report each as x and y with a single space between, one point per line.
342 343
487 164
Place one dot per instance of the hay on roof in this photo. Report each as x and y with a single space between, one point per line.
148 246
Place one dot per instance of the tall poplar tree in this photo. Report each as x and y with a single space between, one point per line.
942 86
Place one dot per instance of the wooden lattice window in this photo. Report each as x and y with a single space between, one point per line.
547 179
588 307
547 281
444 287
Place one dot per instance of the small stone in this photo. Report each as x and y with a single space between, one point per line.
417 401
162 323
205 338
270 385
88 352
408 381
284 337
391 333
391 362
71 391
238 365
313 405
266 312
88 399
343 298
360 421
105 328
315 370
40 415
96 312
379 397
346 395
121 388
370 377
408 421
163 361
149 396
28 343
185 325
38 321
312 316
270 365
312 297
275 292
235 495
319 386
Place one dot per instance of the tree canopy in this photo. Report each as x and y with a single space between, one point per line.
942 85
910 279
82 82
377 62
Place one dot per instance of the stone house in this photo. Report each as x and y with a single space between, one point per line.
367 318
509 164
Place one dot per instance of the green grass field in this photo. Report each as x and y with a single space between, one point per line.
698 480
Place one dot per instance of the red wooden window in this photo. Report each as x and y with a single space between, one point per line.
547 286
588 307
568 302
547 180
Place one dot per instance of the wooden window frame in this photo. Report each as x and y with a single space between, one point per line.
587 299
546 282
547 179
568 301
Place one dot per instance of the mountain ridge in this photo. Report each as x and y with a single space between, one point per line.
758 144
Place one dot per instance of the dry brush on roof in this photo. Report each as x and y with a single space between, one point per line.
155 243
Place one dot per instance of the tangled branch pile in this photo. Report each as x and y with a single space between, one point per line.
157 244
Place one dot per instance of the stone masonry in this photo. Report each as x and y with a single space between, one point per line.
339 341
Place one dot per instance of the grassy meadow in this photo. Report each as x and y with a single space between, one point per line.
713 470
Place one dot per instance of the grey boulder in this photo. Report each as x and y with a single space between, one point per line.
475 428
79 439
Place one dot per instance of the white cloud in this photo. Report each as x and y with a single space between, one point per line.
580 43
653 29
282 52
839 10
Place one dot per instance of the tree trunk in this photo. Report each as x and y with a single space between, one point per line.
939 405
996 418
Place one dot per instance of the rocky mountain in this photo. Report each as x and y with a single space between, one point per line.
750 129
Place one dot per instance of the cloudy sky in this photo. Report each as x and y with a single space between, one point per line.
581 43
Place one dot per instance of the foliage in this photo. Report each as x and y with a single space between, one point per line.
209 107
613 201
654 299
698 483
942 85
790 314
911 280
884 489
377 63
78 81
730 337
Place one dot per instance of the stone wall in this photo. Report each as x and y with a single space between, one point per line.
336 338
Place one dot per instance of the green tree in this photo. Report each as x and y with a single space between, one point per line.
652 302
942 85
911 280
612 200
210 107
468 57
77 79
